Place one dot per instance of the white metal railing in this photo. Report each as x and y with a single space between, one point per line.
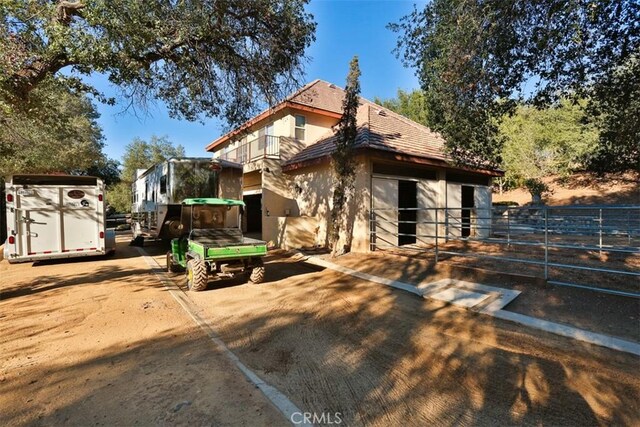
266 146
601 229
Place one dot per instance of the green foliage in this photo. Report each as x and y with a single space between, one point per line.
474 57
344 154
119 197
140 154
616 108
505 203
542 142
203 58
536 187
106 169
56 130
412 105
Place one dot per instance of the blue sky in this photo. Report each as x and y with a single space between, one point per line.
345 28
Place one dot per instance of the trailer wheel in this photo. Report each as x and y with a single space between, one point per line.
196 275
171 228
257 273
172 266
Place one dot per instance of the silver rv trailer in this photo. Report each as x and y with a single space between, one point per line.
158 192
55 216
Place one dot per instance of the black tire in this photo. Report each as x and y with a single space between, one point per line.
197 275
257 274
137 241
171 229
173 267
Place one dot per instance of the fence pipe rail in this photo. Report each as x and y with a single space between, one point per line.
544 222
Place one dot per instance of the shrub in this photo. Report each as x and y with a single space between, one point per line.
537 188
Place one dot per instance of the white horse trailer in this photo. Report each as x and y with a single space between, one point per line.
158 192
55 216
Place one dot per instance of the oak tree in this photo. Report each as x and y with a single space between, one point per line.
202 58
476 58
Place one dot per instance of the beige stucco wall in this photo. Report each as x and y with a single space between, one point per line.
252 181
292 232
314 190
282 125
313 187
357 235
317 126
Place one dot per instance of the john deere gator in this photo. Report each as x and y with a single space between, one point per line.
210 248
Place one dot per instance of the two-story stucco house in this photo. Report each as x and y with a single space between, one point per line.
288 177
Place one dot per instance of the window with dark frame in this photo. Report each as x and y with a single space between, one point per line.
163 184
300 125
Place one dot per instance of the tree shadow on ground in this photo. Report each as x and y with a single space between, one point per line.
176 378
381 356
44 284
333 343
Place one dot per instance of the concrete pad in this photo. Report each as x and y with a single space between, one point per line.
460 297
500 297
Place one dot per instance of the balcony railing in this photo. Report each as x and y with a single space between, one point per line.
265 146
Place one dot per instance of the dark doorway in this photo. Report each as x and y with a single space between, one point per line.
467 207
407 198
253 213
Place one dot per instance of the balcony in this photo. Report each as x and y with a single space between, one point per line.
263 147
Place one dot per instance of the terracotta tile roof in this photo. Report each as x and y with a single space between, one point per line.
381 129
320 94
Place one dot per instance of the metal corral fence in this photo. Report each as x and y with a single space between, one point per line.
559 240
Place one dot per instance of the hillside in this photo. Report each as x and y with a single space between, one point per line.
583 188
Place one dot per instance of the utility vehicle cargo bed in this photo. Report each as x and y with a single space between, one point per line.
222 237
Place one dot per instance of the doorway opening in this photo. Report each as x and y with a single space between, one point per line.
407 199
253 212
467 208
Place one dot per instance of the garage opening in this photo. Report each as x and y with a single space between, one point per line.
467 207
407 199
253 212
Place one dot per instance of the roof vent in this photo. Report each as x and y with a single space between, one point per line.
332 86
382 113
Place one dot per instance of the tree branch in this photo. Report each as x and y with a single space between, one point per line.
66 10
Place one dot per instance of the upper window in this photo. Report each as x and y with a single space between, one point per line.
301 122
163 184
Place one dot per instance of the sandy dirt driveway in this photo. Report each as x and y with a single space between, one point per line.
379 356
100 342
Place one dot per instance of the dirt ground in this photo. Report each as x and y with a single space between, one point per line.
100 342
379 356
594 311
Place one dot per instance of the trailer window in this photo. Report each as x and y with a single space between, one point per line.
192 179
163 184
71 180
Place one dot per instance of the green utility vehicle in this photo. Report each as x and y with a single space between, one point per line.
212 244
